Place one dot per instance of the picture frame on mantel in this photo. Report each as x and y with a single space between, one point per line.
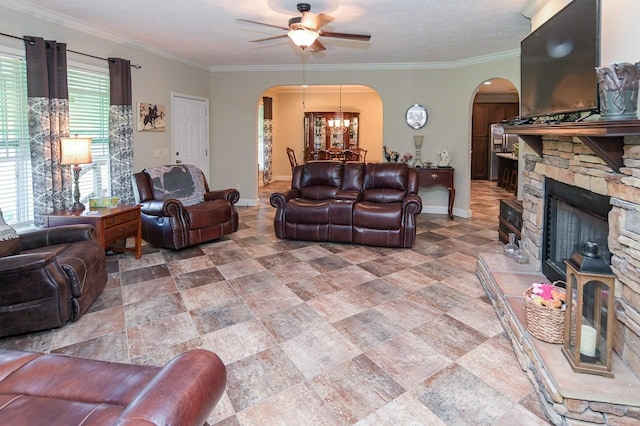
151 117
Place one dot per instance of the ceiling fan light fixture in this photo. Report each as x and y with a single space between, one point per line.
303 37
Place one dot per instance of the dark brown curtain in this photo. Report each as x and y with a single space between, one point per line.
121 130
48 103
267 139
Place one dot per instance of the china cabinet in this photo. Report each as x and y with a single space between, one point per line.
331 130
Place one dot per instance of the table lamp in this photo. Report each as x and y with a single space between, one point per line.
75 151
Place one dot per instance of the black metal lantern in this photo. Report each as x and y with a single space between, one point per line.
588 335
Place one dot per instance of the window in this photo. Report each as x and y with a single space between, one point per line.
89 117
16 199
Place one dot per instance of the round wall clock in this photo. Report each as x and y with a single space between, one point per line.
416 116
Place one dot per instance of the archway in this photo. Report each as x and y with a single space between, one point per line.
290 103
495 100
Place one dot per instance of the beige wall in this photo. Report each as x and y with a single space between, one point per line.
620 31
447 93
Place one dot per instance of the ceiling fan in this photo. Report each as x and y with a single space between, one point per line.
304 30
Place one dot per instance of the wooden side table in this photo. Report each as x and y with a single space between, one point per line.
433 176
111 225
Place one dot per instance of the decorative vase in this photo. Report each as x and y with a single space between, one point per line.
417 141
511 247
618 88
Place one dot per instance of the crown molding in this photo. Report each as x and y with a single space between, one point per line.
514 53
533 7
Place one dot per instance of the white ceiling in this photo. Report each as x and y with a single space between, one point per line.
207 32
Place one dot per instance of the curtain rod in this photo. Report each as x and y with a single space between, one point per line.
73 51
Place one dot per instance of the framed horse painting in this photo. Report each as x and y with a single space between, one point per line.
151 117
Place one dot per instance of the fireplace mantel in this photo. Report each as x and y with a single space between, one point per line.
605 138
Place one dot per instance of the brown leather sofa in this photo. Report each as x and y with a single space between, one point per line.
363 203
54 278
170 223
39 389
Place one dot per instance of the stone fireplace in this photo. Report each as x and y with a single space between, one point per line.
569 161
585 177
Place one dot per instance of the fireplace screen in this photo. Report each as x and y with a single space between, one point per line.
573 217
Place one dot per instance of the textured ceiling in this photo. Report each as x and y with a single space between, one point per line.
207 32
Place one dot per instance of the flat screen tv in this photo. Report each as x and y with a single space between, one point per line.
558 62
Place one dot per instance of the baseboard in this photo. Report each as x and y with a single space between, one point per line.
247 202
462 213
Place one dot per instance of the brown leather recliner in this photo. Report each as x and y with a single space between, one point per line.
39 389
167 222
54 278
372 204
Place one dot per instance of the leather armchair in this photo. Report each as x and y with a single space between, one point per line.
54 279
170 224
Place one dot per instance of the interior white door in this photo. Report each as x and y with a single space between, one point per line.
190 131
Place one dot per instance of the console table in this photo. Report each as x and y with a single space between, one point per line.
434 176
110 224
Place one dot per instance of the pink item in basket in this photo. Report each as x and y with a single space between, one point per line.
543 290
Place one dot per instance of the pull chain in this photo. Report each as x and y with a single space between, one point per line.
304 84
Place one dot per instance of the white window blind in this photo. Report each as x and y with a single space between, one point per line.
15 161
89 117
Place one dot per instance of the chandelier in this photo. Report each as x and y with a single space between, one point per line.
339 124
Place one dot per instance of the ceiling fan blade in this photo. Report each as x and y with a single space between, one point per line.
269 38
360 37
315 22
262 23
317 46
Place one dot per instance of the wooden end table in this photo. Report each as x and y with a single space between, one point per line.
111 224
432 176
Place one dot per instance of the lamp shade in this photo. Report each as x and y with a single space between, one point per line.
303 37
75 150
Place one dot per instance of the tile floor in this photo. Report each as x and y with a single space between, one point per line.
320 333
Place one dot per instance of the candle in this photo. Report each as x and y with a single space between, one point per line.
588 341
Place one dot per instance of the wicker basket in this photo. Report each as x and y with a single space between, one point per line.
546 324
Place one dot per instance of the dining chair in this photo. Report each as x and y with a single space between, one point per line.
362 154
292 157
355 154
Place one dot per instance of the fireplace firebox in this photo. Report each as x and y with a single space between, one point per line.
573 216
